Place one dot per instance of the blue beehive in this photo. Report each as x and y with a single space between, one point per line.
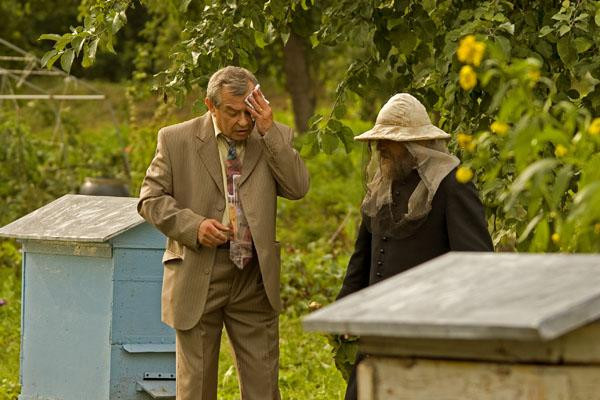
91 325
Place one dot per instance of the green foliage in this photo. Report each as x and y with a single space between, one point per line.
10 319
538 162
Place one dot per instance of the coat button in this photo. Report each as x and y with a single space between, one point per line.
378 274
381 250
220 207
385 238
379 262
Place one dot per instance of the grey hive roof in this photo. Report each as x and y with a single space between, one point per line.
77 218
474 296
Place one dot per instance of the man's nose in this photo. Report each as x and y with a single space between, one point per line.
244 120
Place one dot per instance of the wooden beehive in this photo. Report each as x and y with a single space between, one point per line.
91 325
477 326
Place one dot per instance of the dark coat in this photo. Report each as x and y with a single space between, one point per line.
456 222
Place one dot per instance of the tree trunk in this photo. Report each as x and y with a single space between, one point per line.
299 81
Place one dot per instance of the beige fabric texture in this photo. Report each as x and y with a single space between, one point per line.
403 118
236 299
184 185
433 163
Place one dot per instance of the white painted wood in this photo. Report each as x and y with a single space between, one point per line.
474 296
77 218
411 379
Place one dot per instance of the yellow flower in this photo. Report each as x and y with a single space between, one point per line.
467 78
464 140
478 50
555 238
560 151
594 128
499 128
464 48
464 174
470 51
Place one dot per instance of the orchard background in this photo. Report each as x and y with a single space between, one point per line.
514 82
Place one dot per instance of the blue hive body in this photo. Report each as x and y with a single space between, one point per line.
91 324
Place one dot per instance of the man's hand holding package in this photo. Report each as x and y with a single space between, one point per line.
212 233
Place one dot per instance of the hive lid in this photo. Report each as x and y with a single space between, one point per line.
77 218
473 296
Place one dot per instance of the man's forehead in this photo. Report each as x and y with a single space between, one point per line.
231 100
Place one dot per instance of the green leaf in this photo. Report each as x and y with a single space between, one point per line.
50 36
582 44
53 59
66 60
314 40
259 39
539 243
47 56
564 29
339 111
285 37
118 21
563 179
566 51
508 27
77 44
394 22
597 17
538 167
184 4
89 53
545 30
529 228
329 142
504 45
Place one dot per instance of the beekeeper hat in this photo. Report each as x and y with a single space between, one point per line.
403 118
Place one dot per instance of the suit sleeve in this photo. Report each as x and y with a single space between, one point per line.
465 218
157 204
287 166
359 266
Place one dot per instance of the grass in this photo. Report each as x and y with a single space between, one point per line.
10 323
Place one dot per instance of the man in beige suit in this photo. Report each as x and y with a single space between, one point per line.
212 189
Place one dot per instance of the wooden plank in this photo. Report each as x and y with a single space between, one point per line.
410 379
474 296
77 218
102 250
579 346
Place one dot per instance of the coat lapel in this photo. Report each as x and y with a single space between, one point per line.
206 146
251 154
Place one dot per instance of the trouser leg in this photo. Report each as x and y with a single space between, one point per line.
197 349
352 388
253 329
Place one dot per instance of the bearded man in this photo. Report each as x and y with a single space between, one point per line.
414 209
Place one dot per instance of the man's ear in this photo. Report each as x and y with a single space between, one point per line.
209 104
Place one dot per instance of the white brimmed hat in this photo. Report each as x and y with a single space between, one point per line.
403 118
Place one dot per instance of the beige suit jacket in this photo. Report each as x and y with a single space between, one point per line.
183 186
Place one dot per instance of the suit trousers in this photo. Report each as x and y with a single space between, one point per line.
237 300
